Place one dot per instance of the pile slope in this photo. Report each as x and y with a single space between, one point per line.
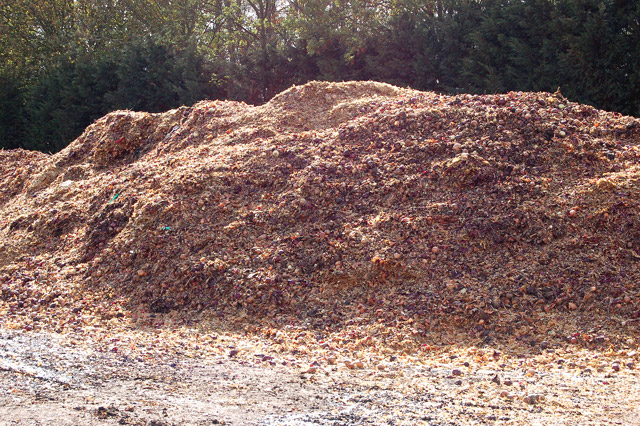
333 203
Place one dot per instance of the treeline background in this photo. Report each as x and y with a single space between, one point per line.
64 63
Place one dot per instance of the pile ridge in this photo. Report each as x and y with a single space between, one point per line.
332 202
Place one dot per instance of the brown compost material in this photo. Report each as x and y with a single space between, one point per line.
333 204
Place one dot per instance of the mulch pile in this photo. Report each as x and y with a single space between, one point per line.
334 203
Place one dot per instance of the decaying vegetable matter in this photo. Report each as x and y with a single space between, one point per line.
334 204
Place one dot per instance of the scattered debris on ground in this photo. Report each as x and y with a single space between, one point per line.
51 379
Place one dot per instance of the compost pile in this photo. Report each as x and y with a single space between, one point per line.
332 203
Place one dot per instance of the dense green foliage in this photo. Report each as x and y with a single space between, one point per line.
63 63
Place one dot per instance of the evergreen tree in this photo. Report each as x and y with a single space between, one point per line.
601 64
12 124
445 30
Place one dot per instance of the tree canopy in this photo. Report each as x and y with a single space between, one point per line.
63 63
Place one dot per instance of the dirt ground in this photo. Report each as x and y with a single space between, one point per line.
48 379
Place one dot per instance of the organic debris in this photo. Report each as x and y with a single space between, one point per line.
335 204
